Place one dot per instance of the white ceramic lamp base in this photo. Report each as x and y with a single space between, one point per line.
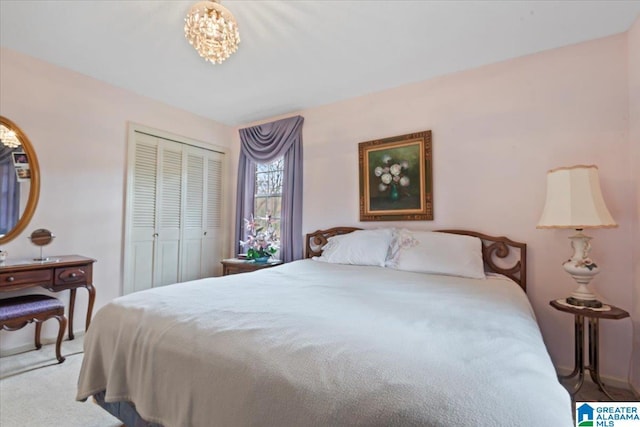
582 269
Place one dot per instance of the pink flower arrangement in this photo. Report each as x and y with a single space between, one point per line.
262 240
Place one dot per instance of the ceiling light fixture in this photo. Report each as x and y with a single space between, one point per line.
8 137
212 30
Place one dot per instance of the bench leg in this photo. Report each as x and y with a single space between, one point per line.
38 330
63 325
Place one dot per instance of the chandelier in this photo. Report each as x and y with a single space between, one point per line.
8 137
212 30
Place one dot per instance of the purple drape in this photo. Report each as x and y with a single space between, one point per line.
9 191
263 144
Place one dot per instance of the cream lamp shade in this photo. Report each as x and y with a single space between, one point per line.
574 200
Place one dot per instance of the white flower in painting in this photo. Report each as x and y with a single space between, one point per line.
392 173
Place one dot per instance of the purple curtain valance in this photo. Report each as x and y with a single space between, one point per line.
265 143
5 153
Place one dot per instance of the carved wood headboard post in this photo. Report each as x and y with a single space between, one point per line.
493 248
317 239
501 247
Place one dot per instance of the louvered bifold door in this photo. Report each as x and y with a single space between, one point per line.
193 214
169 214
213 234
142 217
173 230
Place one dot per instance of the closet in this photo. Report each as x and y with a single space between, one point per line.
173 230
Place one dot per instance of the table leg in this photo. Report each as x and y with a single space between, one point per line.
579 367
92 298
72 306
594 344
578 337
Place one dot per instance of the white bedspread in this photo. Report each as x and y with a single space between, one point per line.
316 344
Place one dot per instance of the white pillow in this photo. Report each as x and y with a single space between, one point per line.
438 253
361 247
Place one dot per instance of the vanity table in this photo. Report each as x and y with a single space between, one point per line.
56 274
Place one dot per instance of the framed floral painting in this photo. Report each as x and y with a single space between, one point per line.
396 178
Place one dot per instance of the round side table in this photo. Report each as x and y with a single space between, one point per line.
593 317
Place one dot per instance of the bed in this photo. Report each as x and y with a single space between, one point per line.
313 343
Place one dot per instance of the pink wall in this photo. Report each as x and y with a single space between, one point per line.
634 139
496 132
496 129
78 127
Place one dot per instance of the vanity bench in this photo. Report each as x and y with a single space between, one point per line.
18 312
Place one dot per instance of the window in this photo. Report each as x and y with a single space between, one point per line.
268 191
270 181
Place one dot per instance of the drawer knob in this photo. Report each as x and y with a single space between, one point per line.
10 279
73 275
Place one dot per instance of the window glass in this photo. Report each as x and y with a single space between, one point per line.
268 192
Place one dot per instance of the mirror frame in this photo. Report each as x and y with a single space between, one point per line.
34 190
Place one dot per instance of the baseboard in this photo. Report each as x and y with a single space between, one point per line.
31 345
612 381
635 391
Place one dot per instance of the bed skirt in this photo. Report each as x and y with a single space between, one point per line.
124 411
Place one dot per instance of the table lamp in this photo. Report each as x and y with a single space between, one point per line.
574 200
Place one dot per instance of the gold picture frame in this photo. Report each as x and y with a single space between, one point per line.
396 178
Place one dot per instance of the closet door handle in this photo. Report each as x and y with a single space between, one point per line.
155 234
205 233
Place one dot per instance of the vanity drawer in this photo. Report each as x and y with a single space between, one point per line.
25 277
71 275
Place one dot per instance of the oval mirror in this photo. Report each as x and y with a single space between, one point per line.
19 180
41 237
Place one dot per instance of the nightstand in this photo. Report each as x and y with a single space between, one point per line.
235 265
593 316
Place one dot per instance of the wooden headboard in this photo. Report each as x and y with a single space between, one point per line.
494 249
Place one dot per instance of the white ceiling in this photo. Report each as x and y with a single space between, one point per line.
295 54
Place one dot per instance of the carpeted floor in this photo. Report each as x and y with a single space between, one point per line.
36 391
589 392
